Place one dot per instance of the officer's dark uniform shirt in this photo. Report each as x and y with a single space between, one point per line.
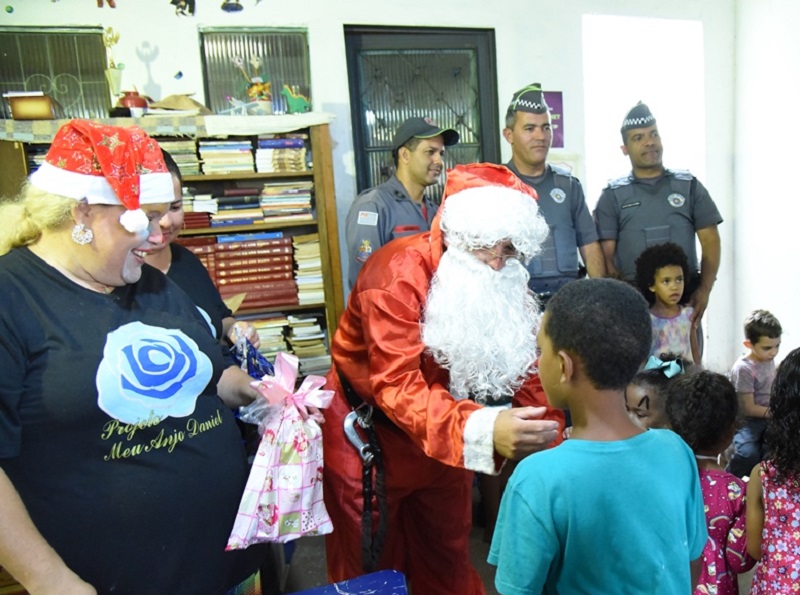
639 213
563 206
379 215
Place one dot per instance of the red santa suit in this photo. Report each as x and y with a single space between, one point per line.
432 443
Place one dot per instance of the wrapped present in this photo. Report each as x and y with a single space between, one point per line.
283 496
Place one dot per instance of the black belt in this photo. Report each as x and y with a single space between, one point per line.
365 416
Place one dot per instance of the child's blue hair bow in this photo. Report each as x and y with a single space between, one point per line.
669 368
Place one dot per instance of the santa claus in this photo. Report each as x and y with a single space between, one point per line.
436 351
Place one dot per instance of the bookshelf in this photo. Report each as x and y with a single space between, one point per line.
18 137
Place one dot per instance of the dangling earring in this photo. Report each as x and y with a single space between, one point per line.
81 235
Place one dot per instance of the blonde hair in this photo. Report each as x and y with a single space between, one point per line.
23 219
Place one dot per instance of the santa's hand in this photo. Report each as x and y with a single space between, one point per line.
521 431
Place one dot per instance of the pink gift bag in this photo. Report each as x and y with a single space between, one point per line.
283 496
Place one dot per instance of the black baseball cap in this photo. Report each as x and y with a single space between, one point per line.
422 128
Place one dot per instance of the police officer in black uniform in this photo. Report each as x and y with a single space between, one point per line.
561 198
653 205
398 207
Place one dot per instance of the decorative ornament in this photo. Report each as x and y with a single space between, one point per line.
184 7
295 102
9 9
114 71
81 235
232 6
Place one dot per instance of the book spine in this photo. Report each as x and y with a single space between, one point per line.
281 143
249 237
253 244
246 253
271 294
254 305
263 274
240 192
237 263
250 198
265 283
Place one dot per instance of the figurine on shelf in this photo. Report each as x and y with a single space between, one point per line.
295 102
258 88
183 7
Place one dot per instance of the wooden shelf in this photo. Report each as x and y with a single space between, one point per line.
273 309
248 176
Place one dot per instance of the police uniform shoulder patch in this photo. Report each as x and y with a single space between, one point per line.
561 171
364 250
558 195
620 182
676 200
681 174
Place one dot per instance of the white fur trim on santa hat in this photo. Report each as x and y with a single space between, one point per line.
154 188
483 216
479 440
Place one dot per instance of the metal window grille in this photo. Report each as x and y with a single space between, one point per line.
68 64
396 85
231 57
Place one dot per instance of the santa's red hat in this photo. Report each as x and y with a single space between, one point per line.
107 165
484 204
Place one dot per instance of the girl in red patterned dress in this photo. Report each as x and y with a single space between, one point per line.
773 494
702 408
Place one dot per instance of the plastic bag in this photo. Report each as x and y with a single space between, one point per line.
250 360
283 496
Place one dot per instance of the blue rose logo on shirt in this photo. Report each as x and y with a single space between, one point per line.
149 370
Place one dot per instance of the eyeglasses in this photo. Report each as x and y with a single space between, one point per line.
505 253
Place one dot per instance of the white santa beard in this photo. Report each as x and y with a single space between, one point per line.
481 325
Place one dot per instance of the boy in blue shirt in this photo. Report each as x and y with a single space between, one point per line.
615 509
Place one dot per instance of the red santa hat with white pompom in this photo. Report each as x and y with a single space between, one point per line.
107 165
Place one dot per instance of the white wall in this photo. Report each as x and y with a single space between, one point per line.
537 41
767 208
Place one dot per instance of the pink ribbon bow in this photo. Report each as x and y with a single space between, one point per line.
279 389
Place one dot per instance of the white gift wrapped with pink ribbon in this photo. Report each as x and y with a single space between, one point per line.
283 496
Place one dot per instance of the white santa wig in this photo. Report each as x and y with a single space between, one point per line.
482 216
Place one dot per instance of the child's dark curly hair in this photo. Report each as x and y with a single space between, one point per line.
654 258
783 427
702 407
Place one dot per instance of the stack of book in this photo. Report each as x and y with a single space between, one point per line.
271 330
285 202
201 246
308 274
307 341
197 210
184 152
282 154
238 206
261 269
226 156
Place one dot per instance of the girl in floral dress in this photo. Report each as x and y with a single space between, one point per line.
773 494
702 408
